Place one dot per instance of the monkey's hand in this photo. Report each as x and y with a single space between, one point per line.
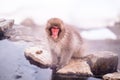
61 64
64 59
54 67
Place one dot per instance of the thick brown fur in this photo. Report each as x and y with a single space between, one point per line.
68 44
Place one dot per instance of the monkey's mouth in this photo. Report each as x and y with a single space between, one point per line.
55 32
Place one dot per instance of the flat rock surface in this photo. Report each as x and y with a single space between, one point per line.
102 62
39 55
112 76
76 68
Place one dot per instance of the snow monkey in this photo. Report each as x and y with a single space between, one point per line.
65 42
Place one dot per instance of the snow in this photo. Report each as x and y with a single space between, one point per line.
98 34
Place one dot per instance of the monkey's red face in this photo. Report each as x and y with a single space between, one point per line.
55 32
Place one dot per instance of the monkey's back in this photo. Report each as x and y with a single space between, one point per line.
73 41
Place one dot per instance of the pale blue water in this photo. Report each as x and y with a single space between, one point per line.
14 65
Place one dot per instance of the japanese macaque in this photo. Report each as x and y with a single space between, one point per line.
65 42
28 22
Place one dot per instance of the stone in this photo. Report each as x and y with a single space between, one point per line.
112 76
6 24
76 67
38 56
97 63
102 62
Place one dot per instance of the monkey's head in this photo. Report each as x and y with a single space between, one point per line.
55 29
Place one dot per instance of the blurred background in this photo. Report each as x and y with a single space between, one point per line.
84 14
97 20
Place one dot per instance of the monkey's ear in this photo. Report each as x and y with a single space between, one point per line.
48 31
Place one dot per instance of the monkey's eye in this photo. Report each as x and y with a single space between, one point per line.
55 27
55 24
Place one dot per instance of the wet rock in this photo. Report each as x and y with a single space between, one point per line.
102 62
38 56
1 35
112 76
98 63
76 67
4 26
71 77
18 76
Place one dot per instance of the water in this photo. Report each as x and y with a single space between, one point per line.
14 65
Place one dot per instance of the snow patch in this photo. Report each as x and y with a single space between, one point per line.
98 34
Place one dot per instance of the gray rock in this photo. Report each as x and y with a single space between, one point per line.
112 76
6 24
38 56
103 62
76 68
97 63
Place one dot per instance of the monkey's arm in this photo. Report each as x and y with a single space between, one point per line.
65 58
54 60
